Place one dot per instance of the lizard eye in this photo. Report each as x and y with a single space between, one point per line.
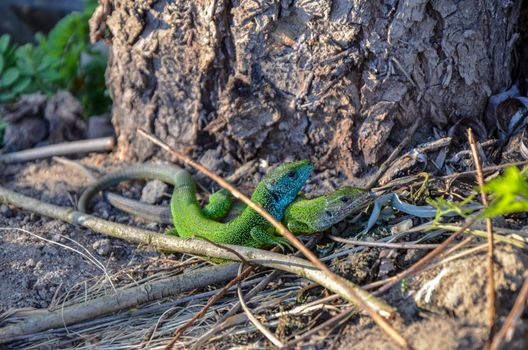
291 174
345 199
328 213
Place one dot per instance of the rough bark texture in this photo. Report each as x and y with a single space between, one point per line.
331 80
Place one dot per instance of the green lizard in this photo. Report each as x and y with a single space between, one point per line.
301 216
277 189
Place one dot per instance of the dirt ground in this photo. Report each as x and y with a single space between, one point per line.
441 308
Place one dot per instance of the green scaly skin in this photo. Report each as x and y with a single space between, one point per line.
320 213
277 189
301 216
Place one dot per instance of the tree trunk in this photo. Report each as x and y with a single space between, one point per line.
331 80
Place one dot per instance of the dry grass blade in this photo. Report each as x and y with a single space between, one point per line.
252 317
512 318
210 302
326 324
384 245
489 229
358 300
479 233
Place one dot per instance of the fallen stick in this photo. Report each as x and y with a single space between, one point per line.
124 299
60 149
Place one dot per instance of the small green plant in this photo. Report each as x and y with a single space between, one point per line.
446 207
3 126
13 81
64 59
510 193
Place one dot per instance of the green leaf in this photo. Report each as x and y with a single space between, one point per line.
10 76
6 96
1 63
3 126
21 85
4 42
510 192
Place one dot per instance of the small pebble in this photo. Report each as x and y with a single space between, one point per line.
6 212
153 191
103 247
30 262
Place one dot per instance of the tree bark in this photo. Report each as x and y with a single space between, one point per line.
331 80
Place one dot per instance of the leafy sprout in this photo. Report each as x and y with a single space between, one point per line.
446 207
510 193
63 59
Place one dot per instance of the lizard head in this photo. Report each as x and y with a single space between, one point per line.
341 203
318 214
285 181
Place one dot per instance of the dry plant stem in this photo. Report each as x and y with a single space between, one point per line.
197 247
383 168
123 299
489 229
328 323
252 317
426 259
384 245
62 149
210 302
352 292
513 317
479 233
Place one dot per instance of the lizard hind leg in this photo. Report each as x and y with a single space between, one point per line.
219 205
263 237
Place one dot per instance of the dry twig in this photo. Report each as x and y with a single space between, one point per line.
61 149
384 245
489 229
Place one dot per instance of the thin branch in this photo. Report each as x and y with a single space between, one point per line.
384 245
61 149
352 292
489 229
122 299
